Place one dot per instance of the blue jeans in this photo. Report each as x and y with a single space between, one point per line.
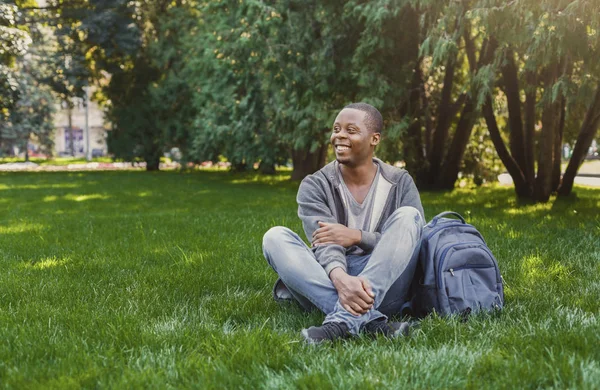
389 269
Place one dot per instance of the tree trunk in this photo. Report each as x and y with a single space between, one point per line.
306 162
153 165
449 173
451 167
513 98
266 168
530 100
71 135
444 119
589 127
550 118
523 188
238 167
428 122
152 158
413 148
556 154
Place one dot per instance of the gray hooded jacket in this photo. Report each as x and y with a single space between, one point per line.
320 200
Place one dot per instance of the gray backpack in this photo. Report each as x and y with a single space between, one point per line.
456 271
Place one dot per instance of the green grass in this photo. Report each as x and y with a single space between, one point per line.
138 280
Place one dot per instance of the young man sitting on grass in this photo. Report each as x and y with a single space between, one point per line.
363 218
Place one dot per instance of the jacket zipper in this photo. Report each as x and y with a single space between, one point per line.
341 210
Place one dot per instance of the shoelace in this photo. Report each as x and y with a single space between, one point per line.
333 330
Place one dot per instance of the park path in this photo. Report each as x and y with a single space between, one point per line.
584 180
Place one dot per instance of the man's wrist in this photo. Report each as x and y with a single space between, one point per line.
357 236
336 275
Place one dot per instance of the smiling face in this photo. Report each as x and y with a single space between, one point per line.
352 141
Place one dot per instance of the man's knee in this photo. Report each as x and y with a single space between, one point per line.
274 237
407 214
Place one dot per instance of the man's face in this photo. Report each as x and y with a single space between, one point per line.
352 141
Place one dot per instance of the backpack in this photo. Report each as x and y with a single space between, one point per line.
456 271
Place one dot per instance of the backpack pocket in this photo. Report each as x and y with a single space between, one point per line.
467 277
471 287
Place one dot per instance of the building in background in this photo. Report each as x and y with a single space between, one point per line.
98 131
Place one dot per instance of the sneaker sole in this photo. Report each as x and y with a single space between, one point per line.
308 340
403 331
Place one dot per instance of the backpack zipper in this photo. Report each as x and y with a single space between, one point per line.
469 266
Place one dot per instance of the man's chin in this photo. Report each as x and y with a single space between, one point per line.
342 160
345 161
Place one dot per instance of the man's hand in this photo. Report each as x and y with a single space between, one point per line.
354 292
335 233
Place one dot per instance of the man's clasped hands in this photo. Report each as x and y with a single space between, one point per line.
355 293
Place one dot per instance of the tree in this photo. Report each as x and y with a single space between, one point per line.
423 63
134 110
219 100
60 49
31 115
547 53
14 42
269 77
309 76
90 40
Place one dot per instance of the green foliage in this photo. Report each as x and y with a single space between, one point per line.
61 51
171 95
384 59
26 105
132 108
111 280
547 50
267 78
260 81
14 42
481 163
31 116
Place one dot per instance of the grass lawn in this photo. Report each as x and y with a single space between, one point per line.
138 280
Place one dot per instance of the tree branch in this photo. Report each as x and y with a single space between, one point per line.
50 8
470 49
589 127
444 119
522 188
513 98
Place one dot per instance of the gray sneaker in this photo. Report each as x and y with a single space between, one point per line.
330 331
387 329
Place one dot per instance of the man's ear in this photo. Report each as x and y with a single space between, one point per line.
375 139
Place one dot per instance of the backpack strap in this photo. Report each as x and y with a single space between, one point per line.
444 214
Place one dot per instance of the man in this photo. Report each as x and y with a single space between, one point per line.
364 220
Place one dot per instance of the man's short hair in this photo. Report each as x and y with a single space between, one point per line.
373 118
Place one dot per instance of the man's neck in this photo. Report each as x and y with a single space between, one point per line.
359 175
